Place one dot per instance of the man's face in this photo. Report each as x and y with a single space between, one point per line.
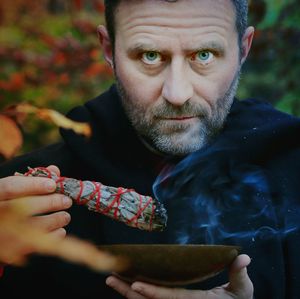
177 67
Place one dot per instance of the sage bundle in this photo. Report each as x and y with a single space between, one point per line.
121 204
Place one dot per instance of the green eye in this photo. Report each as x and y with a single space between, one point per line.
203 57
151 57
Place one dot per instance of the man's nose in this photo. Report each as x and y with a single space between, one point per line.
177 88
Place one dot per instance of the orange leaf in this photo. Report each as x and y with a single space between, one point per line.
56 118
10 136
20 237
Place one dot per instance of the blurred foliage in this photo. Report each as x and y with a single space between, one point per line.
272 70
50 57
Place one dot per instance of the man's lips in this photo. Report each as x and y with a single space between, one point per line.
179 118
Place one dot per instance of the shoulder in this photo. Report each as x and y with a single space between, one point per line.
101 105
252 105
262 116
56 154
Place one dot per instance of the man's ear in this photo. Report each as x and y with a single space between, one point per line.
105 44
246 43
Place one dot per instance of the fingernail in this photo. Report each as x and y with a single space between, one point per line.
67 217
109 281
67 201
50 185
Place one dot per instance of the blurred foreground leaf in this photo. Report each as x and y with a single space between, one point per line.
10 136
19 237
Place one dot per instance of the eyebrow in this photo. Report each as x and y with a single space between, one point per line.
143 47
210 45
149 47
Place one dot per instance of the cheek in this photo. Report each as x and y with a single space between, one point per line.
143 89
214 87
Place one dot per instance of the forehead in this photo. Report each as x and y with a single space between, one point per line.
184 19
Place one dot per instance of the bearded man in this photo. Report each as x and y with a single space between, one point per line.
177 65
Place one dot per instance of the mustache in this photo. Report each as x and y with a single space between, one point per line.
188 109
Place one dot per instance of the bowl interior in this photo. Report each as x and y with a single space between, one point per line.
171 265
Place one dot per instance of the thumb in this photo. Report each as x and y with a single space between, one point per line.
239 281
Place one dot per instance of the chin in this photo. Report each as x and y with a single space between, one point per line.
179 147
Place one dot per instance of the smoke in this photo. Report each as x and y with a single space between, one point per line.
213 199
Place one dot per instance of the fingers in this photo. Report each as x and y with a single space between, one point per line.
240 262
157 292
239 281
59 233
35 194
123 288
40 204
240 286
141 290
19 186
51 222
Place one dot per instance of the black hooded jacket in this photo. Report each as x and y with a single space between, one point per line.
242 189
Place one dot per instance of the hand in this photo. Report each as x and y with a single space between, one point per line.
239 286
43 211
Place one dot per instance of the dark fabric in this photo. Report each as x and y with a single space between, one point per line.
252 166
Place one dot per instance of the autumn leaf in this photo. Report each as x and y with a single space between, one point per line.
10 136
19 238
52 116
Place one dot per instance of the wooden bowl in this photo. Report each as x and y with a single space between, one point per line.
172 265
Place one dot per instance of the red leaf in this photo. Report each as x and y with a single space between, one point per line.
99 6
78 4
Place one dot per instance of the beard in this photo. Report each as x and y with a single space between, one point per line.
177 138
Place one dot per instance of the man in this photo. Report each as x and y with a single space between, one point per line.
177 65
